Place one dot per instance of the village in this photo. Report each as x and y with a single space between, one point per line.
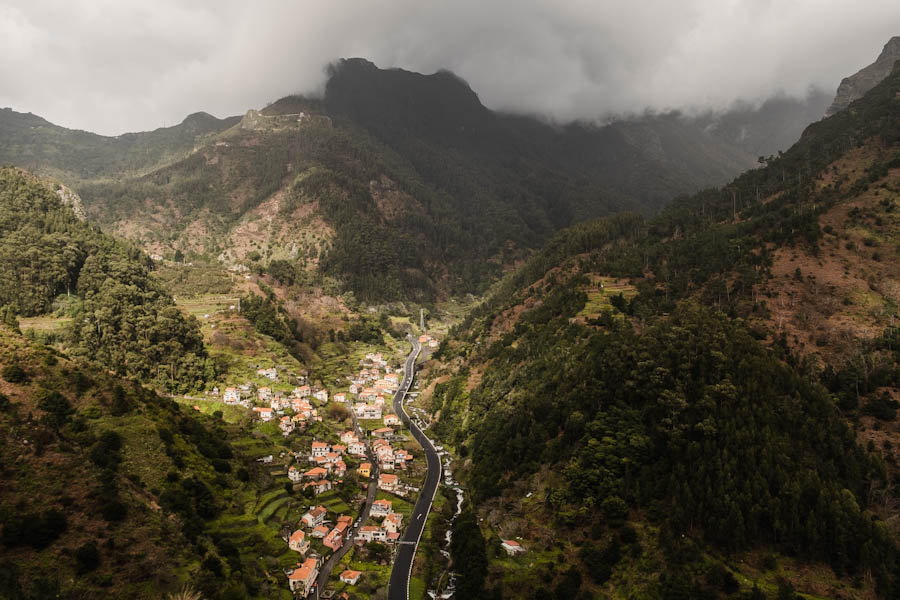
373 454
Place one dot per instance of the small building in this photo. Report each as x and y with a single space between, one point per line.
350 577
232 396
383 432
319 532
388 482
265 413
314 517
512 547
392 523
302 578
382 508
391 419
365 469
320 449
370 533
298 542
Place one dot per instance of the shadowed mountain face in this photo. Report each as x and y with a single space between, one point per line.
393 183
854 87
628 356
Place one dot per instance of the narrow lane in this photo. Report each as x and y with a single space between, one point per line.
398 588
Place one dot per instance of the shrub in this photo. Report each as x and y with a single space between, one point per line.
14 374
87 558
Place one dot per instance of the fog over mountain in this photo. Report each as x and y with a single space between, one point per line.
112 66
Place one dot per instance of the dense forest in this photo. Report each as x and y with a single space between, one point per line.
666 407
120 317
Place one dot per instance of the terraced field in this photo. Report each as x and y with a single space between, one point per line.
600 291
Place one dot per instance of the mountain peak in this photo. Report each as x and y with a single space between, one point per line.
854 87
441 105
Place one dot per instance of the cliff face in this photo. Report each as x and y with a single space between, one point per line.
854 87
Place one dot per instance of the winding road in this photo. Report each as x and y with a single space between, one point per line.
398 588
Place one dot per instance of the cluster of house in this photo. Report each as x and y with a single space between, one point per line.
389 531
301 578
298 402
370 386
269 404
427 340
389 458
328 461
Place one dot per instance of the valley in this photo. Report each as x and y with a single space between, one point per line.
384 342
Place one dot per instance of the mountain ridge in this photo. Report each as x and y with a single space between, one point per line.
855 86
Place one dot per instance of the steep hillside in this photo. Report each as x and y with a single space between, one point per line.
637 400
109 490
118 316
394 184
399 184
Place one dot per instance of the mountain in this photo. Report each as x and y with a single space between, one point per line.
394 184
854 87
701 402
36 144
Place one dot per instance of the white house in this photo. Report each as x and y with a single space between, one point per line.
320 449
302 578
294 474
512 547
298 542
392 522
232 396
314 517
387 482
382 508
370 533
350 577
265 413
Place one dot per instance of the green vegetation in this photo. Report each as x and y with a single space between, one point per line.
677 417
122 318
114 482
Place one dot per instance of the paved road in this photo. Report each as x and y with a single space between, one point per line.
398 588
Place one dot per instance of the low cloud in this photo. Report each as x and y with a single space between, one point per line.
113 65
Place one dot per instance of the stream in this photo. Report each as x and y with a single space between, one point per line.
450 588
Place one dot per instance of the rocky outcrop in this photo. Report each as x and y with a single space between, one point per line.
71 199
854 87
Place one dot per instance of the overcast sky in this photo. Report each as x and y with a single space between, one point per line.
112 66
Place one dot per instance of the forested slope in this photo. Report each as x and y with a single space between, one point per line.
633 376
120 317
108 490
